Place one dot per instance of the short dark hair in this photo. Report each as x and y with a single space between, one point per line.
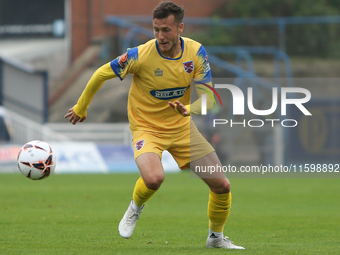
166 8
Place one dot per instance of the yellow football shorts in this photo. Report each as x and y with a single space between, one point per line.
185 146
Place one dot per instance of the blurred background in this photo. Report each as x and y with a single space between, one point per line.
49 50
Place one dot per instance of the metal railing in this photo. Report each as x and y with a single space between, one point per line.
280 22
244 54
117 133
22 130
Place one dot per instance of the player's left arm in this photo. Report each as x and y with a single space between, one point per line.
202 77
180 108
202 80
195 107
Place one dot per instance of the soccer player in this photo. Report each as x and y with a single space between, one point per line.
159 114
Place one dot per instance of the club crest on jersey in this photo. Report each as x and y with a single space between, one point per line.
188 66
139 145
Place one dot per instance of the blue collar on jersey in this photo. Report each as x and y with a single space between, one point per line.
182 43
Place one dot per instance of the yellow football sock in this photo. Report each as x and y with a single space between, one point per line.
218 210
141 193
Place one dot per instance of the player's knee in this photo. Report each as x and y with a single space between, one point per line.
226 187
154 182
221 187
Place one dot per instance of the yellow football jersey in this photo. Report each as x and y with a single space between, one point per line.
156 81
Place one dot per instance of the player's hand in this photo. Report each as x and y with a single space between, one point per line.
74 118
179 107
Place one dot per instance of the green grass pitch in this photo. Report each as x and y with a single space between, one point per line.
79 214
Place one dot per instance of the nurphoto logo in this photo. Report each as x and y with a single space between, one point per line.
238 105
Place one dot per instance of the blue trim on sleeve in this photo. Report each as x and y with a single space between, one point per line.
133 53
202 53
202 81
117 68
114 66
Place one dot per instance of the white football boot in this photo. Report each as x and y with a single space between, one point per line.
222 242
128 223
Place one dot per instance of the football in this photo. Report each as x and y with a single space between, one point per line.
36 160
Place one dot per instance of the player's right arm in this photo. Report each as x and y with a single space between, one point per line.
78 112
119 67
